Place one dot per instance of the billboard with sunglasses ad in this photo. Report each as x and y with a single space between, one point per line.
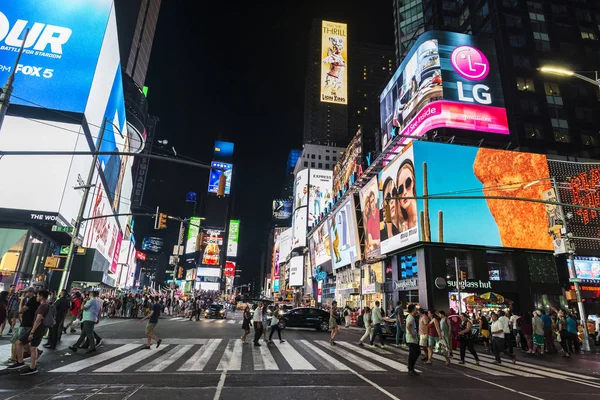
454 170
395 180
447 80
344 235
320 245
369 204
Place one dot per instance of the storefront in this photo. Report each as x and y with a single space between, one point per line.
347 291
372 289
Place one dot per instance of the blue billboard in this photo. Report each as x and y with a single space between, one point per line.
218 169
223 150
61 51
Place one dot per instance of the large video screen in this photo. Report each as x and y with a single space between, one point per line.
369 204
471 171
218 169
61 52
212 242
320 194
447 80
334 58
586 268
349 163
320 245
345 248
296 275
192 235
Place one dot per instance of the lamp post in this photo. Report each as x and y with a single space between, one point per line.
569 73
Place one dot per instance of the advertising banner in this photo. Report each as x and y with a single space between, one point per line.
230 269
473 171
300 204
320 245
344 235
334 56
190 274
276 255
370 206
153 244
192 235
60 54
232 238
395 180
203 271
215 174
447 80
349 163
285 244
282 209
223 150
296 271
320 194
577 184
211 246
587 269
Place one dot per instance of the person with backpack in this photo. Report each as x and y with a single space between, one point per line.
62 305
45 317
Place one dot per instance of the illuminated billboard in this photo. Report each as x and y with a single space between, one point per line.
223 150
212 242
218 169
345 248
587 269
472 171
396 179
232 238
300 212
60 54
334 58
447 80
370 206
282 209
192 235
349 163
203 271
320 245
153 244
285 243
296 274
320 193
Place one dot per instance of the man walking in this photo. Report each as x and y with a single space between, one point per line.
13 308
257 322
399 317
377 320
91 311
412 339
27 308
498 340
62 308
151 325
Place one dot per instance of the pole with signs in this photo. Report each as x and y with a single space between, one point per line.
457 284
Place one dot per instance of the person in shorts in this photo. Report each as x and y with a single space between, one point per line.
423 331
151 325
27 308
33 335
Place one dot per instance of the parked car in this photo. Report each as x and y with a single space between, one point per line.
305 317
215 311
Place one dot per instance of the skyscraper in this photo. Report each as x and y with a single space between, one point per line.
136 21
546 113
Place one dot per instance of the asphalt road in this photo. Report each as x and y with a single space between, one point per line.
206 360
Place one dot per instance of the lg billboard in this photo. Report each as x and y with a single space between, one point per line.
447 80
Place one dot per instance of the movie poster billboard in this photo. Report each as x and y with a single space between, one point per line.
320 193
334 58
282 209
348 164
212 242
370 206
395 180
447 80
345 249
481 172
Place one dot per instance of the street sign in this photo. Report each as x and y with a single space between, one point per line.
574 280
79 251
52 262
64 250
56 228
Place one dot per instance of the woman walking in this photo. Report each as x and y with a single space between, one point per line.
333 323
446 331
368 327
275 325
435 335
527 332
246 324
466 339
565 338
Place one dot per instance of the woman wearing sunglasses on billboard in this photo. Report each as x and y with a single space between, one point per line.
405 187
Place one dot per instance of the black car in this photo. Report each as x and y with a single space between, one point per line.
215 311
305 317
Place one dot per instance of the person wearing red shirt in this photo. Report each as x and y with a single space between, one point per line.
73 313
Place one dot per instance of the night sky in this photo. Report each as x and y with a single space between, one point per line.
237 73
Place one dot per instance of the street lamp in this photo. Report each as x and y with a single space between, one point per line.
569 73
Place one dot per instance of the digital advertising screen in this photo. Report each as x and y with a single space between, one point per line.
480 172
60 54
223 150
282 209
320 193
285 243
300 212
320 245
212 242
218 169
232 238
586 268
203 271
153 244
345 248
296 274
369 205
334 58
447 80
397 179
348 163
192 235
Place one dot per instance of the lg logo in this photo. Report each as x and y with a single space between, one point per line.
473 65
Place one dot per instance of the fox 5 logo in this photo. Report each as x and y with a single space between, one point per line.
29 70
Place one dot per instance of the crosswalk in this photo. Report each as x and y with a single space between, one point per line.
193 355
206 320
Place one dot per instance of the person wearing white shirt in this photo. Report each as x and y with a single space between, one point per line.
498 339
508 340
257 322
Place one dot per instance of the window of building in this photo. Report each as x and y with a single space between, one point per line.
513 21
334 158
533 131
521 61
525 84
559 9
588 34
557 112
305 164
583 15
465 264
320 165
589 140
326 151
535 6
516 40
319 156
312 164
326 166
584 114
312 156
551 89
510 3
562 135
500 266
530 106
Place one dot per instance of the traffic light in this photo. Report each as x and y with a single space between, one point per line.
221 187
162 221
463 275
